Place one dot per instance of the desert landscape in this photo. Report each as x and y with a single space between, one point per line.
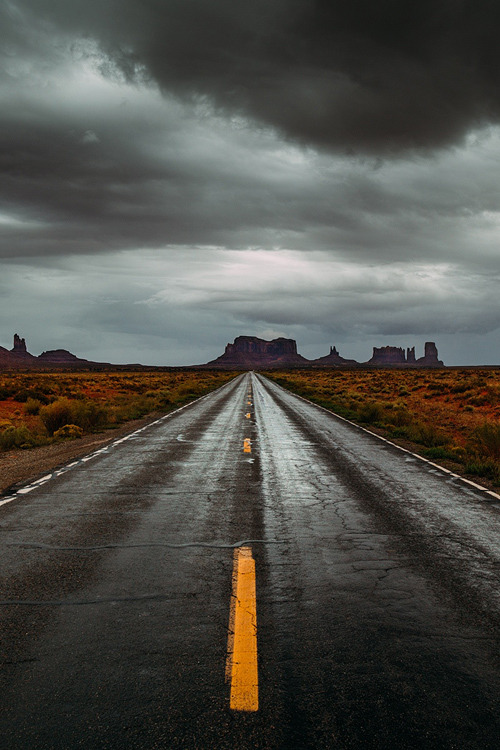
451 415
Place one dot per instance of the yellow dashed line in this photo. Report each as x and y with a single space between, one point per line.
247 415
247 445
241 664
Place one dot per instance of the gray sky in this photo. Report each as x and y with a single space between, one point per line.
179 172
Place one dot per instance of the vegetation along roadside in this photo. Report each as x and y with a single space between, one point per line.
39 408
450 416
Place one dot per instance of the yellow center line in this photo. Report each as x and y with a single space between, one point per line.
247 446
247 415
241 664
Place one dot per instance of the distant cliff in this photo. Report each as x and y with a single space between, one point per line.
19 358
249 351
394 355
333 359
245 353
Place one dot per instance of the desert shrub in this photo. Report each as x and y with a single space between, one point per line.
56 415
485 441
437 388
493 394
16 437
440 452
481 400
427 434
188 390
135 409
460 388
32 406
24 394
88 415
163 398
401 417
486 468
68 432
6 391
371 412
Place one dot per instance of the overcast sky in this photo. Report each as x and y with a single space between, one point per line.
176 173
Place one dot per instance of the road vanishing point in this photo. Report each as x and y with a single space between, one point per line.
250 571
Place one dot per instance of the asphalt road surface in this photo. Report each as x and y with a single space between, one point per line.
377 590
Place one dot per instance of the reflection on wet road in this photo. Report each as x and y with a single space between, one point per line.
361 588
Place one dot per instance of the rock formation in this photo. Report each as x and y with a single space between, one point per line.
247 352
250 352
395 355
387 355
410 355
333 359
19 345
60 356
20 358
18 355
430 358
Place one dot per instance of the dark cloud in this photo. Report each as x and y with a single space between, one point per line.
178 172
343 74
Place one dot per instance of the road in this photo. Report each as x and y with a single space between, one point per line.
377 590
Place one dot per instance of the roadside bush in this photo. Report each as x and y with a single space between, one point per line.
32 406
68 432
6 392
16 437
400 417
56 415
135 409
427 434
487 468
440 452
24 394
88 415
163 398
371 412
485 441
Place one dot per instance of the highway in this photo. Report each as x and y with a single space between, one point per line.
250 572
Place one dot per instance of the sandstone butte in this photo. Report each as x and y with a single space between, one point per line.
250 352
245 353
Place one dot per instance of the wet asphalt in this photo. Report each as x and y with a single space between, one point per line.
378 598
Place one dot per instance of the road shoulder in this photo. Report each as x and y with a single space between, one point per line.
20 467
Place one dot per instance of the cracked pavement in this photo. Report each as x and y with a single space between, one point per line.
378 602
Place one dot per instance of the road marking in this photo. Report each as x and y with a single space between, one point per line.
112 444
247 415
241 663
247 447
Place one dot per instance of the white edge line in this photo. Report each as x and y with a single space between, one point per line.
38 482
385 440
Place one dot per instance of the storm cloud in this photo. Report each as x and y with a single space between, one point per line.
343 74
175 173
